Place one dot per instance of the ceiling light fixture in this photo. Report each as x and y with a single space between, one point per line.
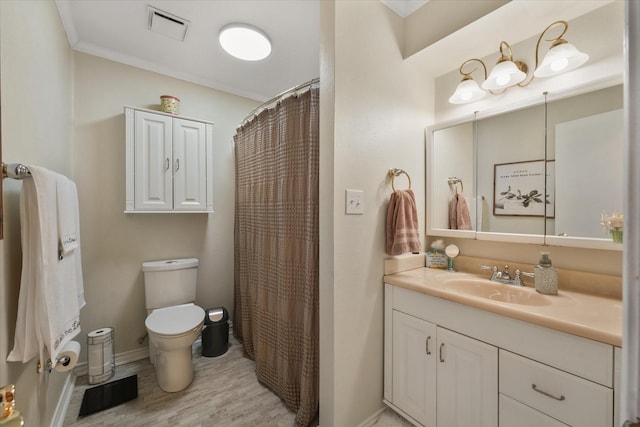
561 57
245 42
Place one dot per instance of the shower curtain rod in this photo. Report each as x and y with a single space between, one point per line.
278 97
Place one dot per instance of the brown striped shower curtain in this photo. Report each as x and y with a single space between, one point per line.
276 249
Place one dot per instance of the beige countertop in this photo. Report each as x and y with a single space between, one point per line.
586 315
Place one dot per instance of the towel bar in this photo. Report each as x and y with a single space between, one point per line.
394 172
15 171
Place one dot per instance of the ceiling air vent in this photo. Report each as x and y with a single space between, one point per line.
167 24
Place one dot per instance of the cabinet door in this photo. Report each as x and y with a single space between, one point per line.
467 381
153 159
414 367
189 166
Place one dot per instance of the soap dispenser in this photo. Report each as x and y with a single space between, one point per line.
546 276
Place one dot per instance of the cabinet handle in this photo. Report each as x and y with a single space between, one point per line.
441 358
535 388
166 164
177 164
427 345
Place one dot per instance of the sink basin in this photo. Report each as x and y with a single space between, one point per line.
497 292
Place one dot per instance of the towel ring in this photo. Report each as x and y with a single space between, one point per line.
455 181
393 173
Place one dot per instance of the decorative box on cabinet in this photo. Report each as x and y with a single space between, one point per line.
169 163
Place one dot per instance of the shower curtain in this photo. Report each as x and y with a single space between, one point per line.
276 249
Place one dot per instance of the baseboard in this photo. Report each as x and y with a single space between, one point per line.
120 359
63 403
372 419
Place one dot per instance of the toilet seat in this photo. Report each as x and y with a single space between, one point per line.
176 320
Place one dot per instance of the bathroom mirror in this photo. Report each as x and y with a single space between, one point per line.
586 140
510 149
452 153
513 181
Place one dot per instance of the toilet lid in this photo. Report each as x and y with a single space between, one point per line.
174 320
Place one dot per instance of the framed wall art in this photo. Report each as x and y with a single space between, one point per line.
519 188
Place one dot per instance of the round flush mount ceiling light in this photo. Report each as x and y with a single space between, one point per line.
245 42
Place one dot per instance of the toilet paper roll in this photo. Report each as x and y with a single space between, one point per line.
68 356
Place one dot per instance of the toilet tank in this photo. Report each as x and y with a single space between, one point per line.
170 282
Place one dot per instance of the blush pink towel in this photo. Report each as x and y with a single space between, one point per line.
459 218
462 214
453 212
403 234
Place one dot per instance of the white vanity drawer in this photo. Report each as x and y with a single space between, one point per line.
570 399
515 414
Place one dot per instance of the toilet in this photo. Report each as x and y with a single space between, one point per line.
173 321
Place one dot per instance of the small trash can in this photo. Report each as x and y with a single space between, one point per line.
215 333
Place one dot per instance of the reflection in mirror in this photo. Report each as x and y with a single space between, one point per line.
585 137
510 156
452 183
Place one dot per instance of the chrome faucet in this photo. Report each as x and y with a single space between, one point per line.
503 276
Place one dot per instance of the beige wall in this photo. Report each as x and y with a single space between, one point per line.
381 108
114 245
36 69
426 25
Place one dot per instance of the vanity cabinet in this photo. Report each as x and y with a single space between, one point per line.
494 369
441 378
168 163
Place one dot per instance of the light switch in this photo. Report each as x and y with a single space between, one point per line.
354 202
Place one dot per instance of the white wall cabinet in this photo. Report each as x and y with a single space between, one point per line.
448 364
441 378
169 163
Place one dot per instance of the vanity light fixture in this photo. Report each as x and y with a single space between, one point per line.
507 72
245 42
561 57
468 90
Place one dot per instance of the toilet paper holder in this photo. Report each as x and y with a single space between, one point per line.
63 360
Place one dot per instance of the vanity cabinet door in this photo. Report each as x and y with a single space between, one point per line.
467 386
414 367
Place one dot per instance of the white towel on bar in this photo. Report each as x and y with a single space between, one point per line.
51 289
68 214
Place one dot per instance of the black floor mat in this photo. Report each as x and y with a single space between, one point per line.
108 395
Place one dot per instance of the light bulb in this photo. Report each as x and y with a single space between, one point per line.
502 79
466 95
559 64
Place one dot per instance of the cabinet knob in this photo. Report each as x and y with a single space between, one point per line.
166 164
441 356
427 345
177 164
